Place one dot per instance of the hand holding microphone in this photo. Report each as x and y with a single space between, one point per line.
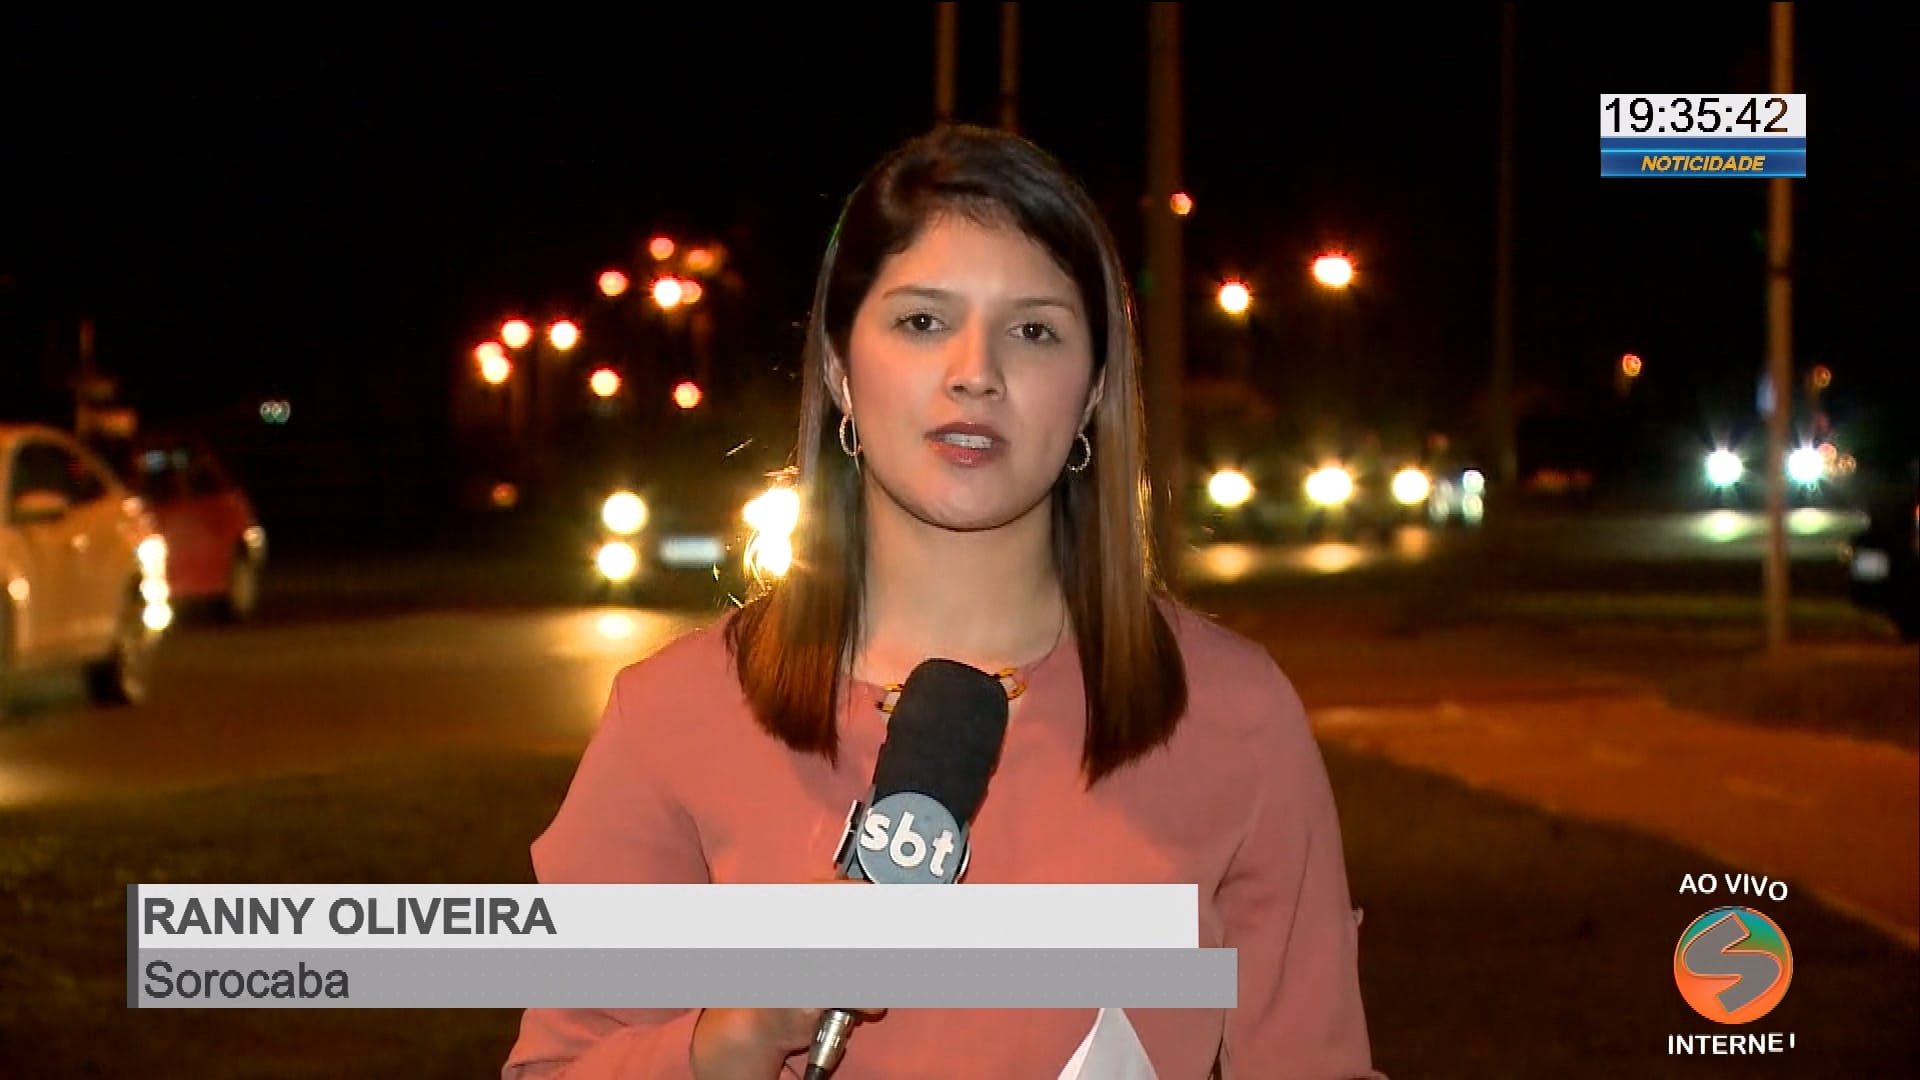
753 1044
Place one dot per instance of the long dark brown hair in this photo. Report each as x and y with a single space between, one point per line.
792 645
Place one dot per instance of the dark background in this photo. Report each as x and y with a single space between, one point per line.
333 210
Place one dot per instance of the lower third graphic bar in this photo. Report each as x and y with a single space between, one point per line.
690 978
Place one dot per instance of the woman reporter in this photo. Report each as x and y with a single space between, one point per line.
972 475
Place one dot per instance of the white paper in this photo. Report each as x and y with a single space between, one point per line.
1111 1051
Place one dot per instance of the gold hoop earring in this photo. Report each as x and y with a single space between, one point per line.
849 438
1087 445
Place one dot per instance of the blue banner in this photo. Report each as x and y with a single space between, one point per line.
1720 162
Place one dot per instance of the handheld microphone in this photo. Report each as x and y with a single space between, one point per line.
929 780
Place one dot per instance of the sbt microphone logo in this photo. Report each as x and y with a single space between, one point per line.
910 839
1733 965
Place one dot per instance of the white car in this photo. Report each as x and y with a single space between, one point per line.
82 568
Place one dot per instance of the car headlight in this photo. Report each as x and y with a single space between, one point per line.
156 616
769 556
624 513
1411 486
1724 468
774 512
1806 466
152 555
1330 486
617 561
1229 488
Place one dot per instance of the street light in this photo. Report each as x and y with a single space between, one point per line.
563 335
1181 203
667 292
495 368
613 283
604 383
687 395
1631 365
661 248
1235 298
1333 271
516 333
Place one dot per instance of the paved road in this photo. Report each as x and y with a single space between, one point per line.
325 695
1834 816
1699 548
495 562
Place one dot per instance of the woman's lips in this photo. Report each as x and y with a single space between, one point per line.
967 445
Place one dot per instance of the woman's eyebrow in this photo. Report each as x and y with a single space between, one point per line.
924 291
929 292
1047 301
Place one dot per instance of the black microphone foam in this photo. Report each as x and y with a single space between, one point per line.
944 738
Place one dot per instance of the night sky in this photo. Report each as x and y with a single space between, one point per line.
334 210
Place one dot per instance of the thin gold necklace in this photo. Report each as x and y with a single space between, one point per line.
1012 680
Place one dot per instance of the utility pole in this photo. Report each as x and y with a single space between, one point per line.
1779 350
86 387
1010 66
1505 443
1164 294
946 54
